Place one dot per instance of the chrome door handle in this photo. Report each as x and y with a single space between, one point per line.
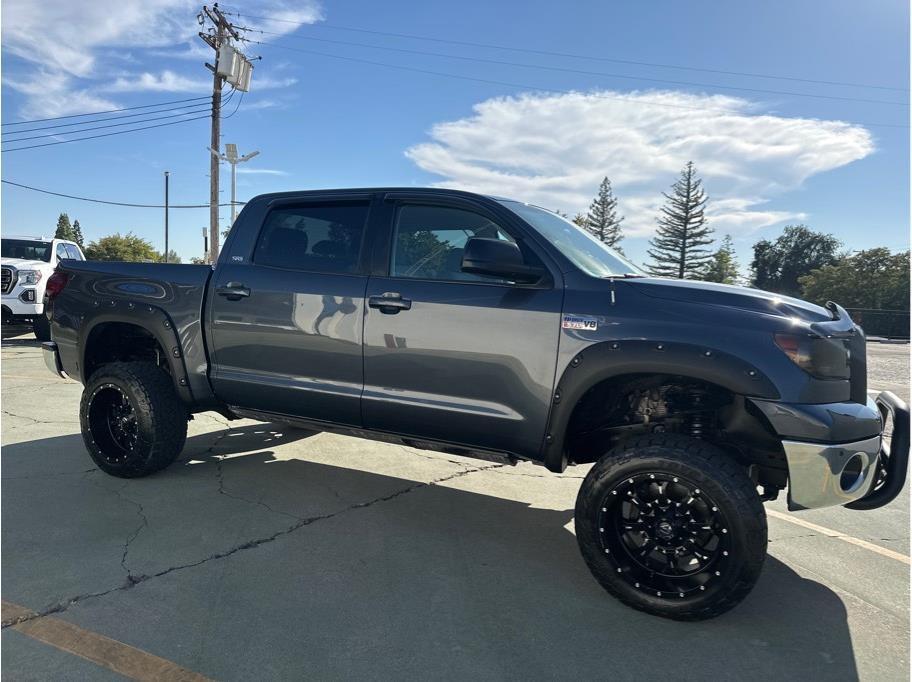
233 291
389 303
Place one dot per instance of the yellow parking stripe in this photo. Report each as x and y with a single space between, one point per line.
830 533
122 658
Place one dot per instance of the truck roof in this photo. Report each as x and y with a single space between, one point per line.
28 237
373 190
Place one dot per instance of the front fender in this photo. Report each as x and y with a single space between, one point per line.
607 359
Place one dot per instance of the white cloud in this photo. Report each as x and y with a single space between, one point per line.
166 81
553 150
69 47
260 171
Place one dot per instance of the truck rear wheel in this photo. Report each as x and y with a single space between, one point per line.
133 423
672 526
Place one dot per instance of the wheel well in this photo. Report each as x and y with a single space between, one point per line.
121 342
629 405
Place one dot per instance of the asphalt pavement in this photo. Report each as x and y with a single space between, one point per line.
268 553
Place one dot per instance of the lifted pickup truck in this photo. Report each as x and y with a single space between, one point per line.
487 327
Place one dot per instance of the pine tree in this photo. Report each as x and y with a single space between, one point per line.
602 220
580 220
677 247
64 229
723 267
77 233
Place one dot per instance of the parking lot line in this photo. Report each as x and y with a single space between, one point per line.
830 533
122 658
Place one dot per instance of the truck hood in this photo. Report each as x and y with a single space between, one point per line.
22 264
709 293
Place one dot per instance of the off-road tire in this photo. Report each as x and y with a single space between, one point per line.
160 419
720 478
41 327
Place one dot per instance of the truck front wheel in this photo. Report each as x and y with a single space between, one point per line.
133 423
672 526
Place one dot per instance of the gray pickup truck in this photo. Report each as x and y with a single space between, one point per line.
487 327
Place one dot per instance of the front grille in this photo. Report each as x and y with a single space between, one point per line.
7 279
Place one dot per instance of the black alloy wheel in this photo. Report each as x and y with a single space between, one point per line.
672 525
666 535
112 421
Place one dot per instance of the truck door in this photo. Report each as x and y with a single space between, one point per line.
286 314
451 356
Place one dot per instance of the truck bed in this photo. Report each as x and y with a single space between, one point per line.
165 298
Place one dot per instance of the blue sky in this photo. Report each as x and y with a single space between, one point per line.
542 135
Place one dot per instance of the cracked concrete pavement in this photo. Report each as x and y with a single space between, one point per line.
271 553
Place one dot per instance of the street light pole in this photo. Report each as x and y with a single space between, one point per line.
233 184
167 174
230 156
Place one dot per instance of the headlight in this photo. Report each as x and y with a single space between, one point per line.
29 276
819 357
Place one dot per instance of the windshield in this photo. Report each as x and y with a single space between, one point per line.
26 249
582 249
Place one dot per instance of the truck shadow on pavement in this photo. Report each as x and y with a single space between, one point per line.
18 336
250 565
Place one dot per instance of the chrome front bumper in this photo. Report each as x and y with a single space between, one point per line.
827 475
863 474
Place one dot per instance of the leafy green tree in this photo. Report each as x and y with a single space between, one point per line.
778 264
77 233
420 253
172 257
723 267
64 229
677 249
118 247
602 221
874 278
196 260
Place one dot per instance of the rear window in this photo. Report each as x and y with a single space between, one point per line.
314 238
26 249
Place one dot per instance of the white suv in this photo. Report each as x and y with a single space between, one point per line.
26 264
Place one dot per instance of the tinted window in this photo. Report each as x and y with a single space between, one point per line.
62 252
585 251
26 249
316 237
73 252
429 242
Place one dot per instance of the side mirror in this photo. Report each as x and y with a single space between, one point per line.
498 258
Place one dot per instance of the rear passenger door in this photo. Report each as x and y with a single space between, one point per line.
286 320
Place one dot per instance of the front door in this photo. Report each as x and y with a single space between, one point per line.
457 357
286 325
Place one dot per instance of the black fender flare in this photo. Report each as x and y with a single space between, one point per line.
160 325
608 359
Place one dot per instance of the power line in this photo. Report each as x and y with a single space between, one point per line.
97 120
489 81
112 125
237 106
109 111
111 203
549 53
93 137
603 74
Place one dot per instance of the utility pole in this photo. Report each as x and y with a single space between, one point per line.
205 243
223 29
167 174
